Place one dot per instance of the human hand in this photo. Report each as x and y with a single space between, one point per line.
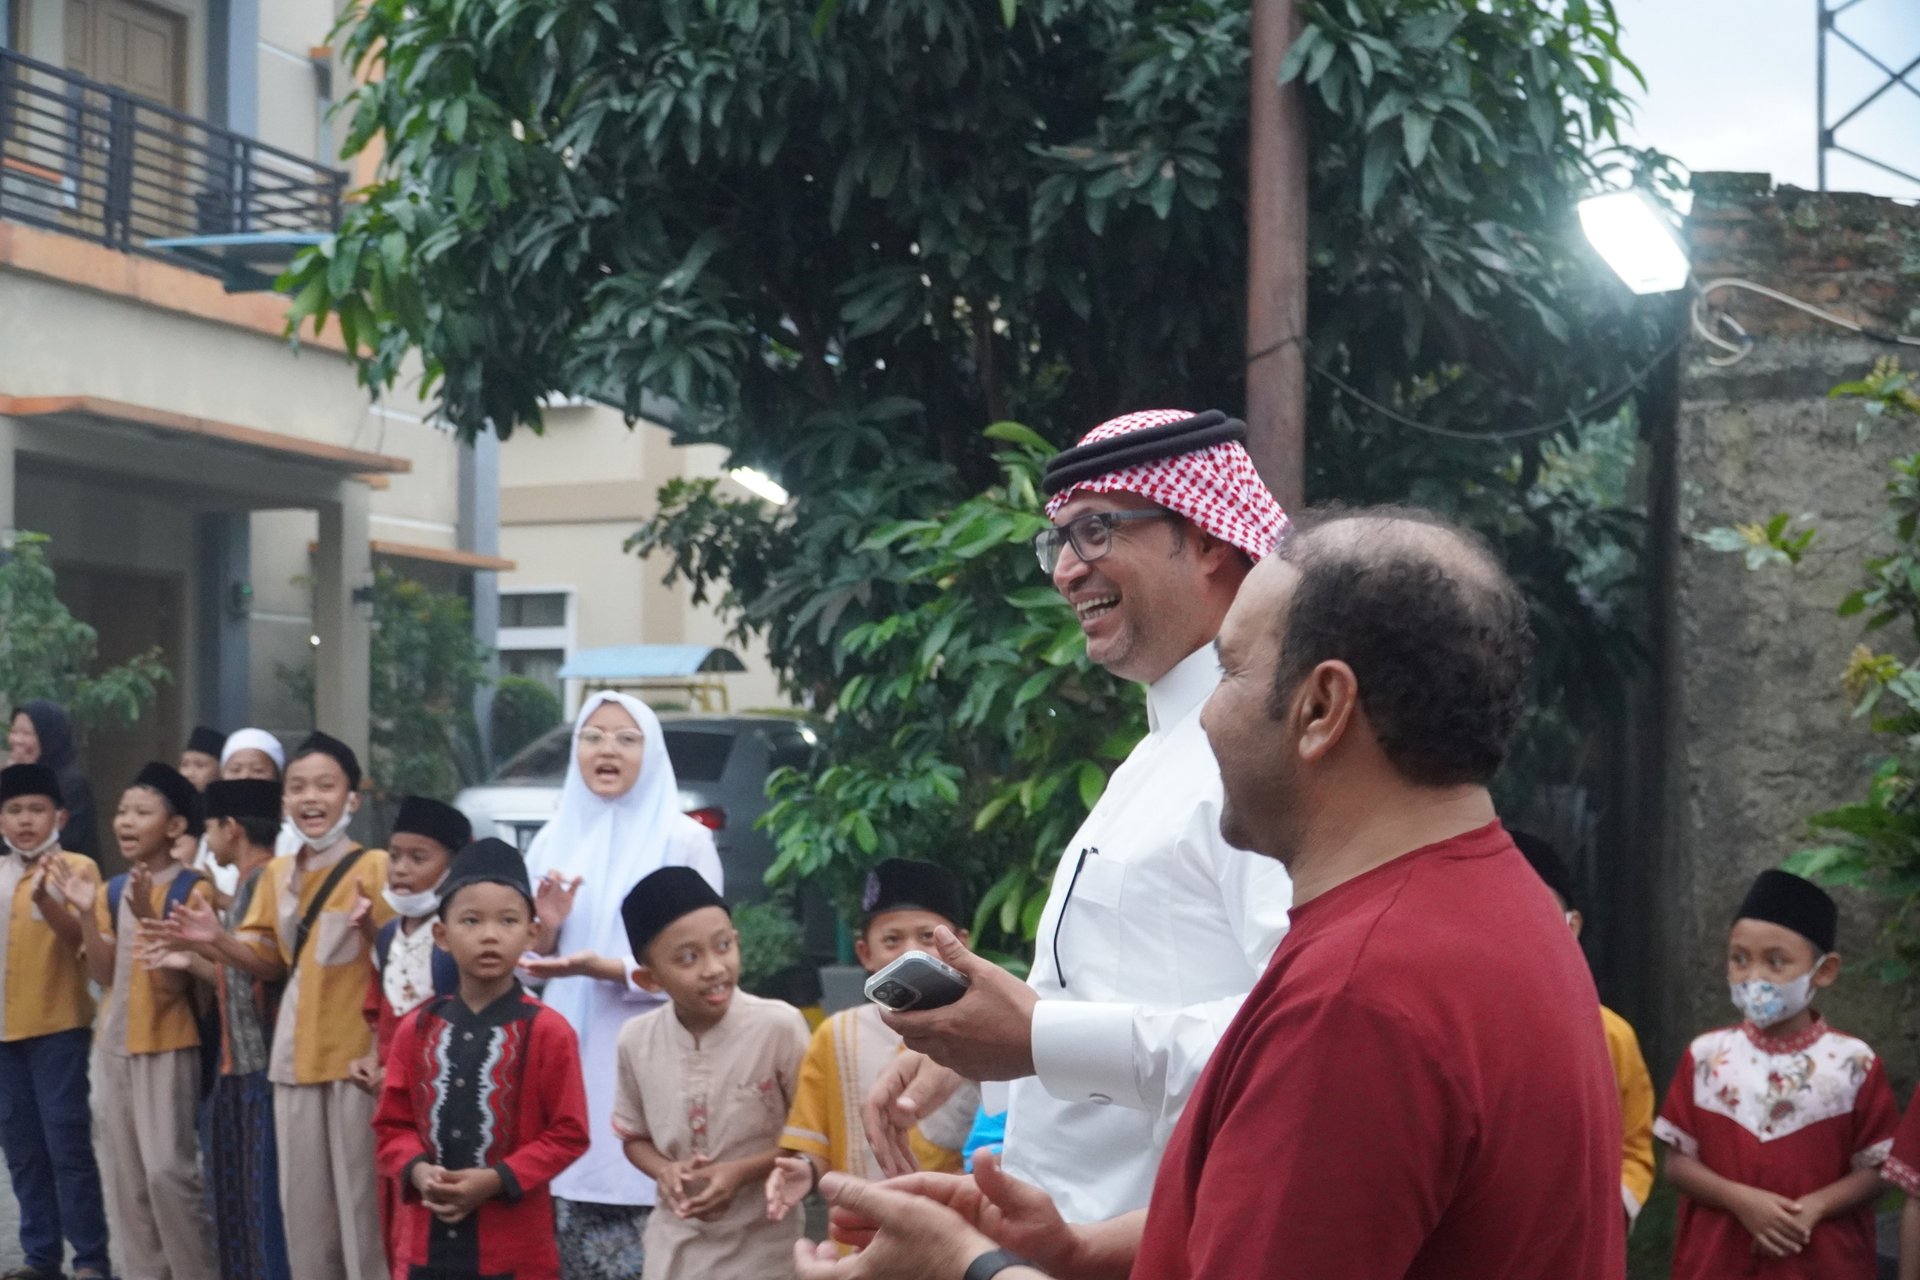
553 900
46 896
1016 1215
987 1034
913 1236
1774 1221
423 1176
709 1197
139 892
682 1179
153 950
581 964
79 891
367 1073
911 1086
455 1193
193 923
360 915
788 1185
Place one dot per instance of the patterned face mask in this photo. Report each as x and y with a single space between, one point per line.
1766 1003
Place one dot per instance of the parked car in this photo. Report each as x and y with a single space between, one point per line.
720 761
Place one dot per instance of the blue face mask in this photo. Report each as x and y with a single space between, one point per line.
1766 1003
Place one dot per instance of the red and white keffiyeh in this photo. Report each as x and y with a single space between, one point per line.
1216 487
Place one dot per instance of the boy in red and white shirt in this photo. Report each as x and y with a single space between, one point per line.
1777 1127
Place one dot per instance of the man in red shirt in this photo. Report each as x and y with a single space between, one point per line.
1418 1086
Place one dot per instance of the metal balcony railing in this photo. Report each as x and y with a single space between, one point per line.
91 160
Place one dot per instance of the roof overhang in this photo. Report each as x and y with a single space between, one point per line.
164 424
650 662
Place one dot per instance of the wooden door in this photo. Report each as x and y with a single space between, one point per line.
132 612
140 48
133 46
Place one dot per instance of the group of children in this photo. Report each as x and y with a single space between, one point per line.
312 1059
321 1063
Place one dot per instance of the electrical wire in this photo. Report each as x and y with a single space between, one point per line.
1738 351
1569 418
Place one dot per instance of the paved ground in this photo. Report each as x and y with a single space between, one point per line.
9 1227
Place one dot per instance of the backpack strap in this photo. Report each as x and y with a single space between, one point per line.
178 890
446 974
181 887
319 904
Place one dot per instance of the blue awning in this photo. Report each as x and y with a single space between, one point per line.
650 662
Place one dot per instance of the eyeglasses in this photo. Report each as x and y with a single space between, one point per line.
1090 536
625 739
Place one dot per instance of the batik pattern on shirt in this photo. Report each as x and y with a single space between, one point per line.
1789 1115
1902 1168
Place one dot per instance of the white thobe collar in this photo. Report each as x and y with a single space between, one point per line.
1173 697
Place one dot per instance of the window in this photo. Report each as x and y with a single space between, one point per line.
536 634
535 664
533 609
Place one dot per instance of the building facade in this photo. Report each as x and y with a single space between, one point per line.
569 500
208 486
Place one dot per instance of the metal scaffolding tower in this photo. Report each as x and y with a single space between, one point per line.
1830 126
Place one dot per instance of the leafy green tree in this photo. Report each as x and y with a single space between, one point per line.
424 667
46 652
842 238
523 709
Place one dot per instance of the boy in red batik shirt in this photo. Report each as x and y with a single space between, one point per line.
1903 1171
1777 1127
483 1101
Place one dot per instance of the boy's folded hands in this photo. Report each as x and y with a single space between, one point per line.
1780 1225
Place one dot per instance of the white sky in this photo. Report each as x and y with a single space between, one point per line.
1731 86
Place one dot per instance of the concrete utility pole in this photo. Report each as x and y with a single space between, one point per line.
1277 261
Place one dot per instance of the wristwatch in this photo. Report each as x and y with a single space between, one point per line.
992 1263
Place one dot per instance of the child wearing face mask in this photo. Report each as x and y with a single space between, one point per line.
409 967
1776 1129
314 918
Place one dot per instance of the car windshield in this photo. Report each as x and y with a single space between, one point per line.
698 755
545 760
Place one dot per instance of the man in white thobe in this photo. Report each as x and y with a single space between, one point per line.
1155 928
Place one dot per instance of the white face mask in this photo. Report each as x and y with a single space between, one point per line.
415 905
31 854
336 834
1767 1003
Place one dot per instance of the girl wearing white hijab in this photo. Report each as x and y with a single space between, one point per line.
619 819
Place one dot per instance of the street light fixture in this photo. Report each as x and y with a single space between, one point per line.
760 485
1636 240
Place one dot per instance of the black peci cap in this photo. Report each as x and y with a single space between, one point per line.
318 743
660 899
208 742
902 884
242 798
30 780
422 816
487 861
1782 898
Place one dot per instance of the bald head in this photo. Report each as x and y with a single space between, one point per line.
1432 627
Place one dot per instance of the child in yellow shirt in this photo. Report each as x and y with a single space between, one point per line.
1623 1047
146 1050
904 902
45 1121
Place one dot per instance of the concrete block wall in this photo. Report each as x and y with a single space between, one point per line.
1757 732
